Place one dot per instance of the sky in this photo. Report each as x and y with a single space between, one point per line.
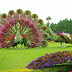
56 9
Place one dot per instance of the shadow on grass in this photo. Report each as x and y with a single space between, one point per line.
57 68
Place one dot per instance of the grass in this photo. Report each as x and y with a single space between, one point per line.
20 58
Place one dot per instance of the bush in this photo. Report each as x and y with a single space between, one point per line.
50 60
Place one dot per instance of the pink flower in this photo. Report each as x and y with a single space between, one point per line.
15 21
37 44
8 45
34 30
29 18
61 34
35 35
26 23
2 40
7 26
35 23
31 26
16 16
12 23
0 45
12 37
24 36
22 22
40 39
36 40
4 30
2 35
3 45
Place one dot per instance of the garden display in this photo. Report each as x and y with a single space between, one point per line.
50 60
64 37
22 28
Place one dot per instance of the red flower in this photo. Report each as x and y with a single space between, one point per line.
45 35
35 35
27 13
61 34
63 70
43 43
34 30
4 30
31 26
19 12
39 21
4 16
12 23
15 20
11 12
2 35
44 28
22 22
24 36
28 45
2 40
26 23
34 16
7 26
36 40
3 45
8 45
33 45
12 37
70 71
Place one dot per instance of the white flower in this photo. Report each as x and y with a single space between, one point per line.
68 35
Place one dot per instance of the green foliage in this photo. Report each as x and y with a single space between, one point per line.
25 42
53 37
18 58
57 68
62 25
43 43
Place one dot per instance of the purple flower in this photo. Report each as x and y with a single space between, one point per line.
59 32
67 58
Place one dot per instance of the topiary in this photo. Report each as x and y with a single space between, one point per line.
21 28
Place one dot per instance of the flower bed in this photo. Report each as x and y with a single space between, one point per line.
50 60
19 70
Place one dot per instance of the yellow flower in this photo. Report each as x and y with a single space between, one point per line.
19 70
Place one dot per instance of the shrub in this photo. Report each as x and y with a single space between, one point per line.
51 60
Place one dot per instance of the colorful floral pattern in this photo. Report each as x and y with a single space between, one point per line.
20 28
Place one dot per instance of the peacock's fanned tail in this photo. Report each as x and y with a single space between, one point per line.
21 28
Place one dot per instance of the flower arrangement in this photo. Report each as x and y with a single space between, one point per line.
19 70
3 16
50 60
20 28
64 37
11 12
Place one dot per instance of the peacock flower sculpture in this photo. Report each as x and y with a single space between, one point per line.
64 37
22 28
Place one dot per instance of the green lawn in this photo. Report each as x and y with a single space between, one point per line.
20 58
